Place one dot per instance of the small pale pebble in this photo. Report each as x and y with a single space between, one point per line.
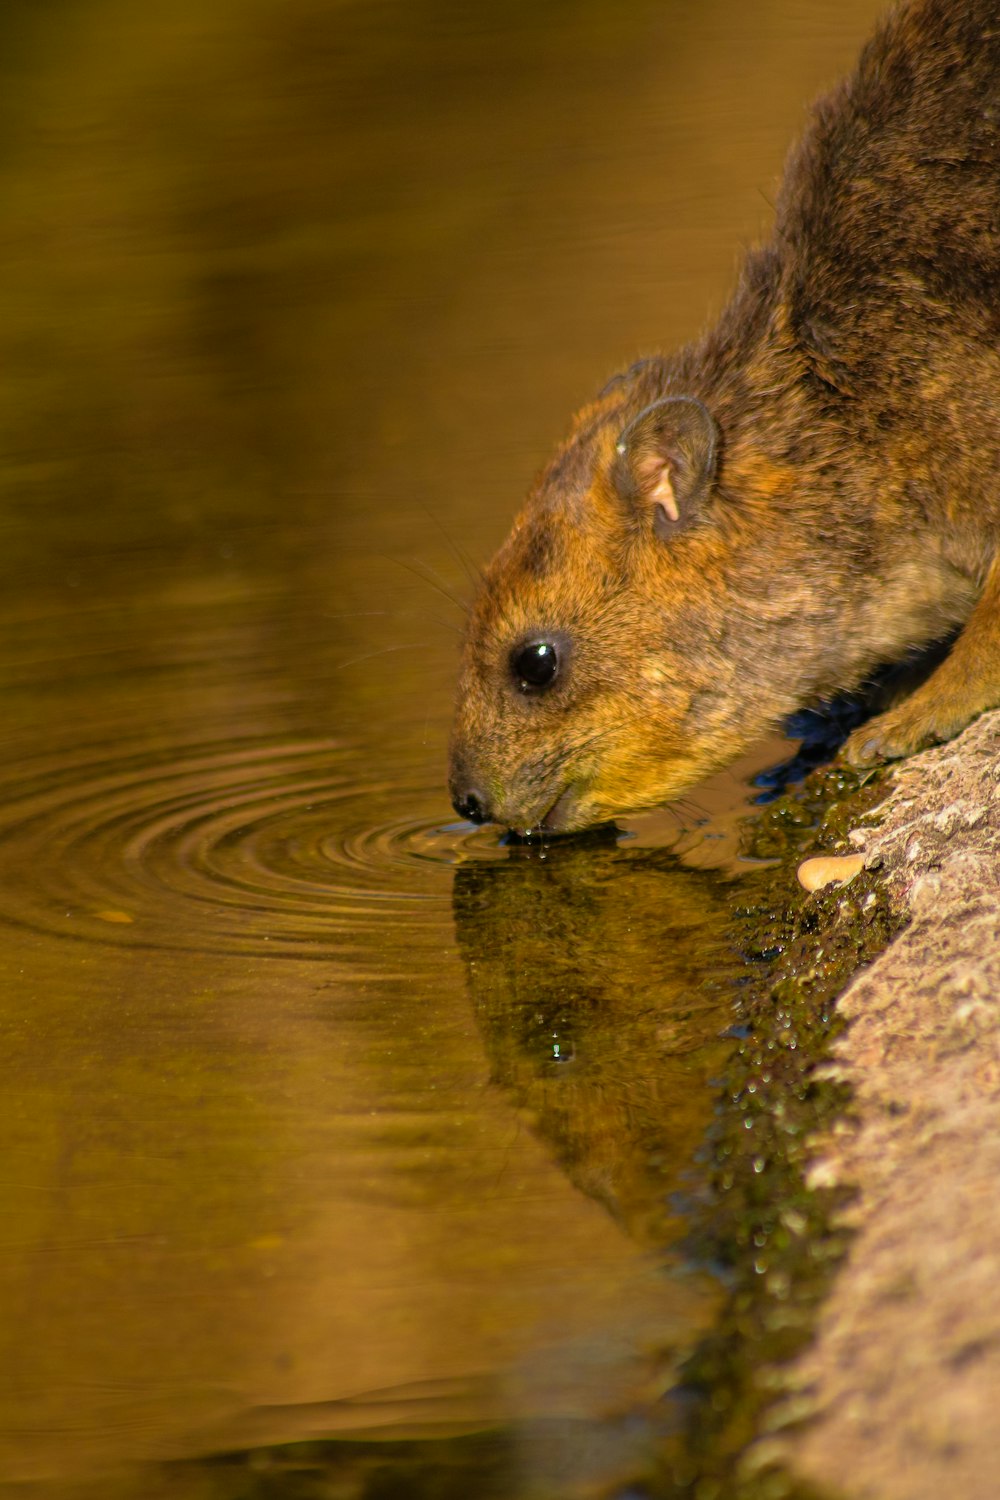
830 869
822 1174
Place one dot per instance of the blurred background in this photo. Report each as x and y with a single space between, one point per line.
295 296
292 287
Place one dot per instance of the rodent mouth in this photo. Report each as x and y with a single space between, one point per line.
556 818
553 821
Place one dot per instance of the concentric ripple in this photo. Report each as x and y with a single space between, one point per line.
258 849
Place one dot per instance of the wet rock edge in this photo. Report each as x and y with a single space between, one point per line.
776 1230
892 1393
900 1384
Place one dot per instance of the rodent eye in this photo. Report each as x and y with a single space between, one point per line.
535 666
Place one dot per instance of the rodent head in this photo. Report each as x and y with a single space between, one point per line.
592 672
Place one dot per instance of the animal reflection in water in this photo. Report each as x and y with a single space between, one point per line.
595 976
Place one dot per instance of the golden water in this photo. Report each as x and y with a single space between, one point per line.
324 1115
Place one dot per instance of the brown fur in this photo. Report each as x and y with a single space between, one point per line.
841 507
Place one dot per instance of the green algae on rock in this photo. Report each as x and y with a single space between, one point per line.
775 1237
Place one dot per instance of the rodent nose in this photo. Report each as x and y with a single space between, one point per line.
473 805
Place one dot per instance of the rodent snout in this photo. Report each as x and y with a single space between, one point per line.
465 783
472 804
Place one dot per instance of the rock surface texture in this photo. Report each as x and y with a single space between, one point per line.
905 1371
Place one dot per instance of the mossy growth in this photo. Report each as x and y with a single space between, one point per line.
774 1239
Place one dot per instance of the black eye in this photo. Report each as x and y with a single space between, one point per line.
535 666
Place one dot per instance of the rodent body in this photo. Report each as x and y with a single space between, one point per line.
807 492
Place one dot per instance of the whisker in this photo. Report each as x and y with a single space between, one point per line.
690 807
675 811
555 759
383 651
594 739
394 614
427 575
367 614
447 624
474 574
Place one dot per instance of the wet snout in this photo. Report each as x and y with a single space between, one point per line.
469 796
472 803
529 800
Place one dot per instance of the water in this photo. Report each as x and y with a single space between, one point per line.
325 1116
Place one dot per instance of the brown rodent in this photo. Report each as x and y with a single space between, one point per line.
808 491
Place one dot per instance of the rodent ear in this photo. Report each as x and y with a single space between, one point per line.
666 459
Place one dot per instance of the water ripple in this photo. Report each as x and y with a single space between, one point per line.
258 849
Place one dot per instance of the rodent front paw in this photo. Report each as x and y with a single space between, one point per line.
893 736
861 749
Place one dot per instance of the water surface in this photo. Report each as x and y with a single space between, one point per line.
326 1116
